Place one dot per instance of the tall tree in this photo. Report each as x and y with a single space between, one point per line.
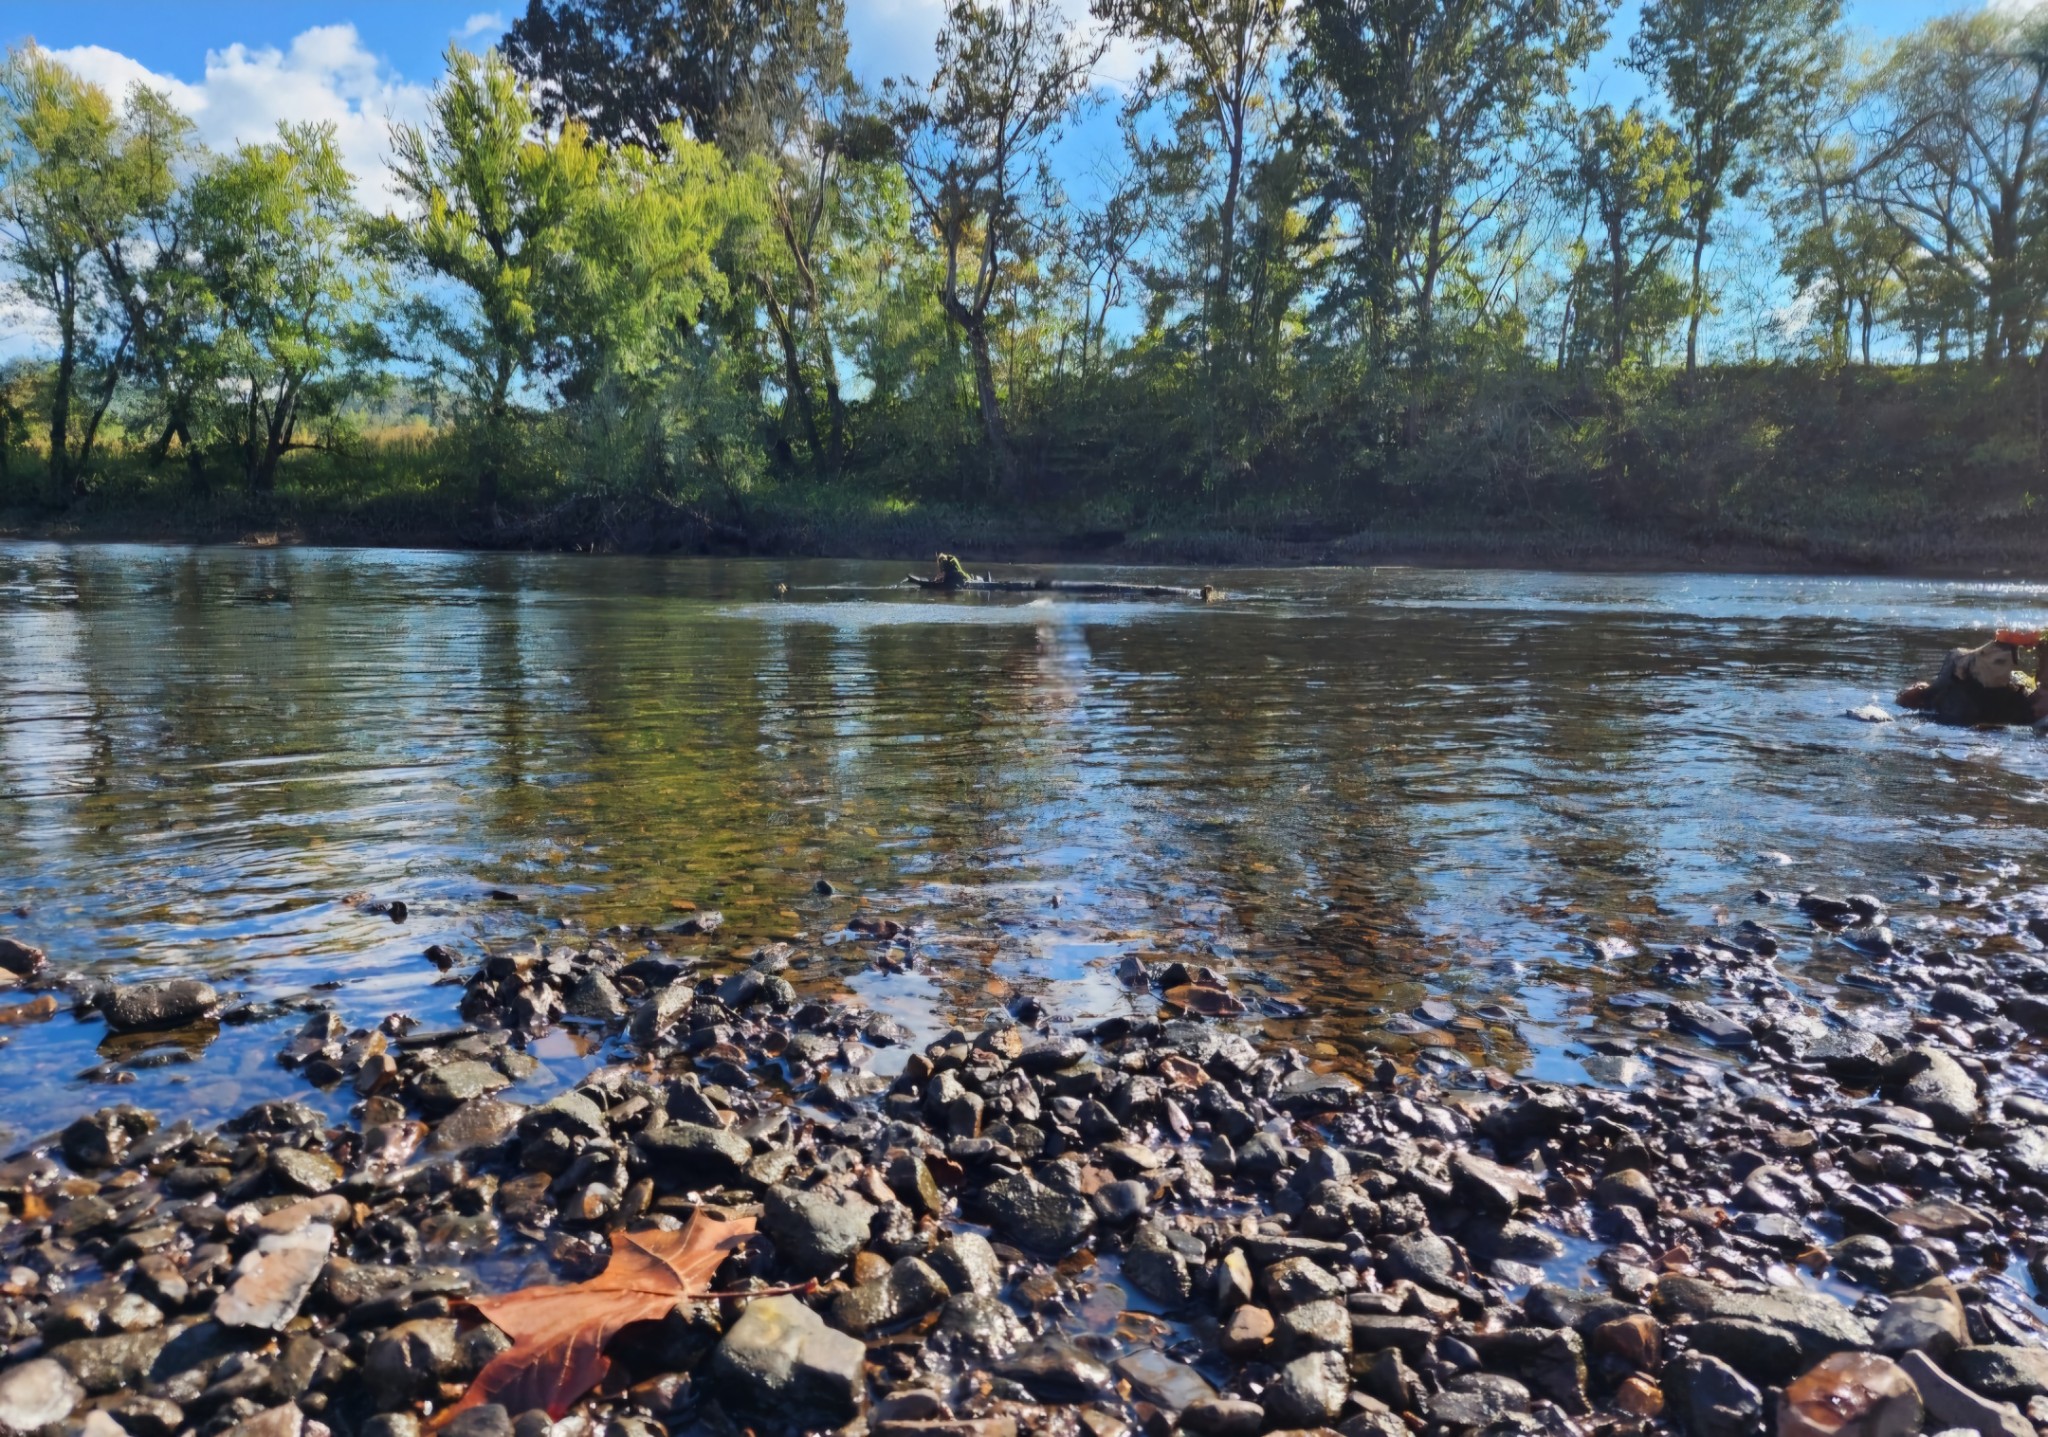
77 179
1009 75
1727 68
1420 109
1629 173
496 204
1964 172
629 69
285 251
1222 54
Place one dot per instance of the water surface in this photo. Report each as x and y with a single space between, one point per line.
1350 790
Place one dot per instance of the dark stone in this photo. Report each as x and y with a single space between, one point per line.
1708 1398
1053 1369
1035 1216
140 1007
687 1156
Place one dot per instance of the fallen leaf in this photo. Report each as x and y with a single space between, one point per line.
559 1333
1199 998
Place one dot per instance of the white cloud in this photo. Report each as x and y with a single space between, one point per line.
325 76
484 22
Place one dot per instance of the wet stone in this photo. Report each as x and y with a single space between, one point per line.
1852 1394
302 1170
978 1327
1928 1318
1708 1398
1929 1081
1952 1406
1820 1325
968 1263
1052 1369
1478 1399
1158 1379
1309 1392
139 1007
595 997
815 1235
1761 1351
1035 1216
444 1089
906 1290
2009 1374
688 1156
479 1123
1224 1417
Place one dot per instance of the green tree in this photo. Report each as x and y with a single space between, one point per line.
1218 63
1963 109
631 69
1009 75
1419 111
286 253
496 209
1629 174
1727 69
80 182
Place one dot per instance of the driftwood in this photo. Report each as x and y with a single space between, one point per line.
1094 588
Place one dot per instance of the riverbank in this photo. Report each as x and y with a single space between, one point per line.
790 529
1769 1214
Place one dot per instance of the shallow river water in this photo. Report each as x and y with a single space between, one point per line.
1350 791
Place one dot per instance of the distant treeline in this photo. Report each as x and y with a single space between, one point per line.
1347 259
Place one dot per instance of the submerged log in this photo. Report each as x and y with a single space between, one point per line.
1089 587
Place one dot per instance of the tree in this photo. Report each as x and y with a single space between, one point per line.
630 69
1222 58
79 182
1419 109
1009 74
285 252
1629 173
497 206
1727 68
811 126
1964 167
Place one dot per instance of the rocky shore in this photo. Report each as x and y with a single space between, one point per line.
771 1212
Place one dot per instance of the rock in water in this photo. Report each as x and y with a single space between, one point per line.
19 958
1852 1394
141 1007
1870 713
36 1394
781 1361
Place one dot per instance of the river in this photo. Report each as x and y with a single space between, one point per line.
1349 791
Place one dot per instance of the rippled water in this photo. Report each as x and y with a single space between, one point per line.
1352 790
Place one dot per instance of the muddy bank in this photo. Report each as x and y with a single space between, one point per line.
1775 1215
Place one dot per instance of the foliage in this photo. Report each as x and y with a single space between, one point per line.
1333 263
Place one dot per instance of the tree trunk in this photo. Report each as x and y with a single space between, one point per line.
60 402
1004 464
1692 322
793 381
